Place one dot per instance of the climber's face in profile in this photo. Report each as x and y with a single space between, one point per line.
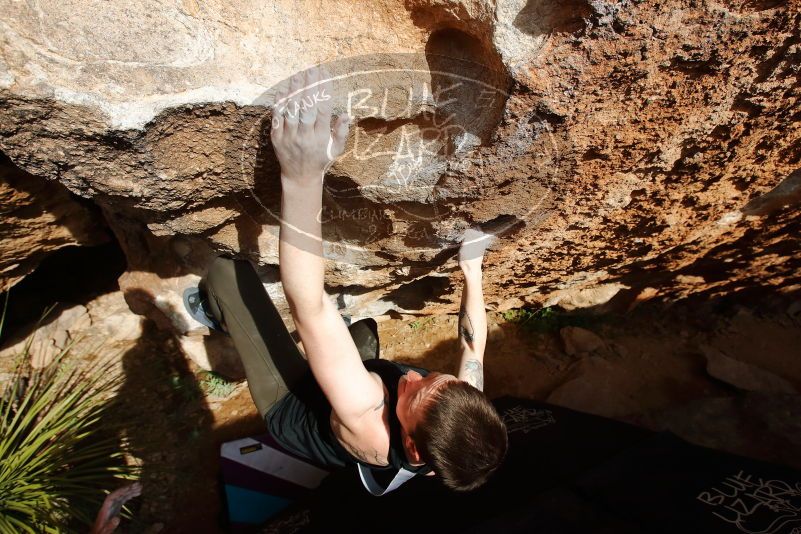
415 392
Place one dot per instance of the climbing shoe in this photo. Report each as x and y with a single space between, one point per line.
197 304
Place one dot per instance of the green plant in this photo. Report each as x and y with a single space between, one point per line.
547 319
420 323
215 385
56 458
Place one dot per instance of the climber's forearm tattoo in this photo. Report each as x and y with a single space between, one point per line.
473 373
466 328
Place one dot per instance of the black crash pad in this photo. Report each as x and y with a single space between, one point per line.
668 486
549 447
569 472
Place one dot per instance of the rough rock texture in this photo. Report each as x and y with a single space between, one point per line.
628 150
39 217
104 324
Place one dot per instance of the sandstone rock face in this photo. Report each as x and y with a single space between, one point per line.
105 324
579 340
624 150
743 375
39 217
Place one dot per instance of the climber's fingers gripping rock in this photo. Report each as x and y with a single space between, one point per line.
303 136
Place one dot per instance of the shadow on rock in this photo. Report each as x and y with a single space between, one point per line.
168 425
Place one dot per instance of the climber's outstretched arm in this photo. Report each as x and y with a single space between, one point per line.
306 145
472 314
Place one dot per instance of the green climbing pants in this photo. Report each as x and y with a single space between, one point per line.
272 360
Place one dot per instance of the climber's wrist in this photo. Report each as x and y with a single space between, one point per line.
301 181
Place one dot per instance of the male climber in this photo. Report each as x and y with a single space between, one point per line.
353 408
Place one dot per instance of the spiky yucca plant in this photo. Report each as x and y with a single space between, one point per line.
56 461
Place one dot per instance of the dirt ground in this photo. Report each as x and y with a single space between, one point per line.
651 366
